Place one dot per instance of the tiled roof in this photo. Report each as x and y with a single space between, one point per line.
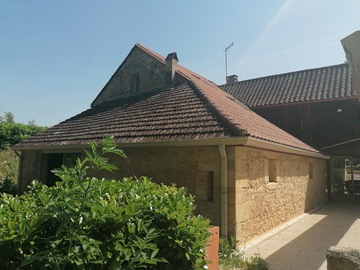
195 110
311 85
171 114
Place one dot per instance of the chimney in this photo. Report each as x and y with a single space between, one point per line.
171 63
231 79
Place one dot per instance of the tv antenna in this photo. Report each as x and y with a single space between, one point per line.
228 47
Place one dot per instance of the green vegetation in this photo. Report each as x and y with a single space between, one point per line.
230 258
10 134
9 163
88 223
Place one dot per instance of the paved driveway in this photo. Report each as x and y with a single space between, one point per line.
302 243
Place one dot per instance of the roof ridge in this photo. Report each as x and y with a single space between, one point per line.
220 112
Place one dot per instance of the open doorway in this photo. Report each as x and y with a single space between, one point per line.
345 178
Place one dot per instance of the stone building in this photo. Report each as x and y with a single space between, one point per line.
175 126
318 106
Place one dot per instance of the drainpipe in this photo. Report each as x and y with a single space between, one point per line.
19 180
224 192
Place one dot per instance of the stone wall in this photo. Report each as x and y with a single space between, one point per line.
265 188
341 258
29 168
196 168
264 198
150 73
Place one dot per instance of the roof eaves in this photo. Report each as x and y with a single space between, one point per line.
262 144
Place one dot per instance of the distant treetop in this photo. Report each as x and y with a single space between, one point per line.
12 133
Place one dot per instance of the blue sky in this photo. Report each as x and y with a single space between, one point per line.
55 56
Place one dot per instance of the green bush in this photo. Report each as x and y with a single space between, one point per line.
230 258
89 223
9 163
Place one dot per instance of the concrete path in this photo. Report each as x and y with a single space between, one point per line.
301 244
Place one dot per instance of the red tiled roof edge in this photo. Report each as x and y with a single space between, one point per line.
196 80
222 104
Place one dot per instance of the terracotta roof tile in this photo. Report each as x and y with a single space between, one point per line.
198 109
311 85
172 114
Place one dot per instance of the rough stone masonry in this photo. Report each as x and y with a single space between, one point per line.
341 258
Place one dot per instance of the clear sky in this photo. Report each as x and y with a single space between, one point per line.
55 56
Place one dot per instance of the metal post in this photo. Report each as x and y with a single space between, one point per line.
232 43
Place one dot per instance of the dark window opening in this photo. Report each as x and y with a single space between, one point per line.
135 83
272 171
54 161
311 171
205 186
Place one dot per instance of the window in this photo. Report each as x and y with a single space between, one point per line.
53 161
311 171
273 170
135 83
205 186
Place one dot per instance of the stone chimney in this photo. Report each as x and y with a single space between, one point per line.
171 65
231 79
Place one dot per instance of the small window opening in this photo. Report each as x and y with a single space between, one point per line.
311 171
272 170
135 83
205 186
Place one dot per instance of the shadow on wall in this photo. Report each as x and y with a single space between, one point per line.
311 245
317 189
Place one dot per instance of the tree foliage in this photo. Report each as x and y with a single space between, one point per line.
88 223
9 163
11 132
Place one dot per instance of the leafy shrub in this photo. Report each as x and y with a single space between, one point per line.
230 258
9 163
88 223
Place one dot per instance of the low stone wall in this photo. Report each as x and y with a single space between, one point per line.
340 258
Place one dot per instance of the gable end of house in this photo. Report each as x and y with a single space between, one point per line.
140 72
